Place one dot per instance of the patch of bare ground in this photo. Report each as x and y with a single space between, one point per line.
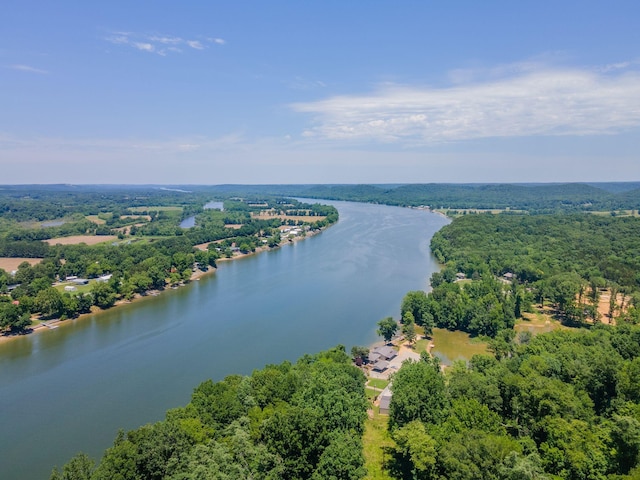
127 230
9 264
77 239
541 320
621 303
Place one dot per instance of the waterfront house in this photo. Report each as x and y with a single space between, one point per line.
380 366
385 353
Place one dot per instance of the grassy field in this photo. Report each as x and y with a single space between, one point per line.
619 213
450 346
375 439
537 322
155 209
79 288
95 219
374 387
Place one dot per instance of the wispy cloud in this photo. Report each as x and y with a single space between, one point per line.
530 101
28 69
301 83
159 44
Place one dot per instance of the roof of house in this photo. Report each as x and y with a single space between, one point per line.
386 352
373 357
385 397
380 366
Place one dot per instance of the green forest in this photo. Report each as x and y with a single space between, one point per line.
565 261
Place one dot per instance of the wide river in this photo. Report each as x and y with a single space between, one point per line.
71 389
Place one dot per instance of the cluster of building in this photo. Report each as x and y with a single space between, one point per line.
380 357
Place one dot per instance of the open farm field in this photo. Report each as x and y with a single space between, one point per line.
155 209
76 239
618 213
9 264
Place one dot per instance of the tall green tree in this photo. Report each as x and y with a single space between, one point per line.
419 393
387 328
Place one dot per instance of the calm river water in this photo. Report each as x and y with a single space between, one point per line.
71 389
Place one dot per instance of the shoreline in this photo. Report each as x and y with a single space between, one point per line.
195 276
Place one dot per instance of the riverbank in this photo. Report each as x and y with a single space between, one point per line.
195 276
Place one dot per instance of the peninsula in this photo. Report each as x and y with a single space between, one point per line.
67 252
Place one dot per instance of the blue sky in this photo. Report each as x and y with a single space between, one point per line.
216 92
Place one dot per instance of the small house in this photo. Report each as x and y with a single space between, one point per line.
385 400
70 288
385 352
380 366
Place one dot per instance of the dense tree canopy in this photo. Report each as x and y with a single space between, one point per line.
559 407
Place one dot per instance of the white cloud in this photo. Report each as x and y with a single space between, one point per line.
527 101
158 44
147 47
28 69
195 44
166 40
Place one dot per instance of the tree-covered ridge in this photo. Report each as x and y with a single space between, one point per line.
547 198
561 405
287 421
566 261
541 246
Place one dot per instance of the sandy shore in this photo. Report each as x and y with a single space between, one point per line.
197 275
